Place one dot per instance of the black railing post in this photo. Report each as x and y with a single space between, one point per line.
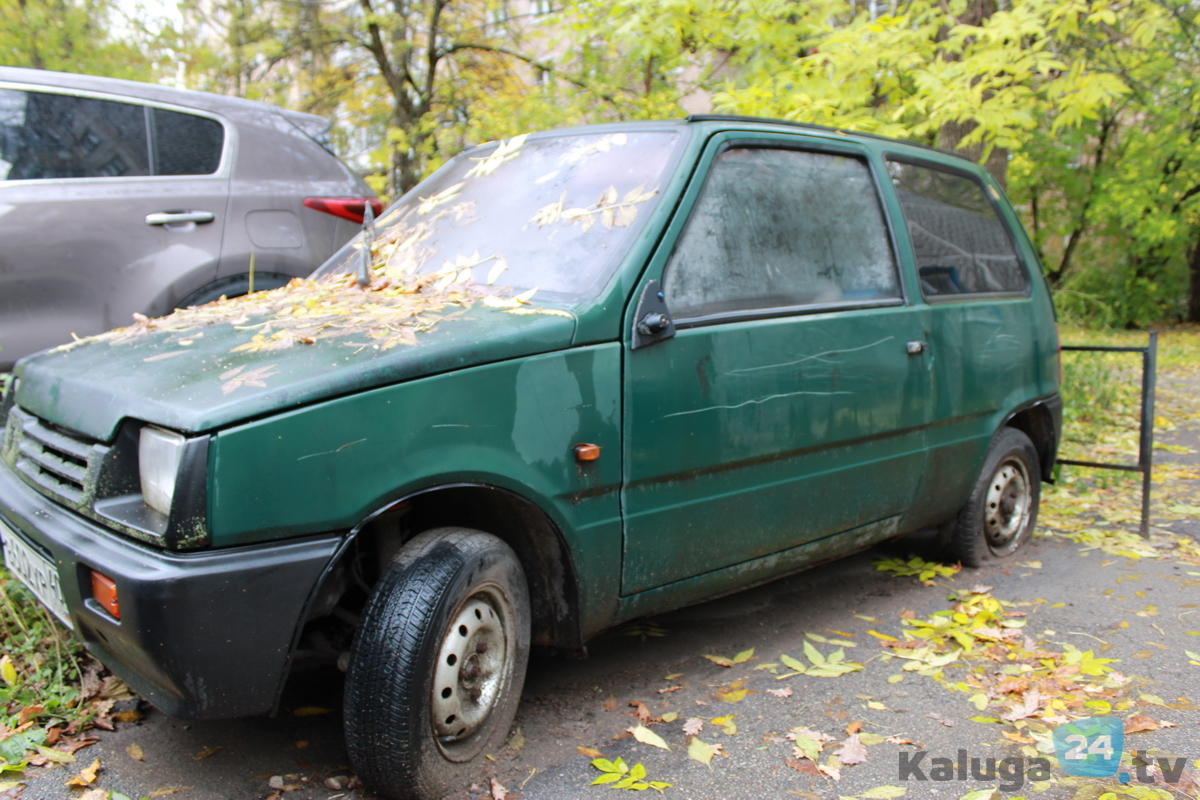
1146 432
1146 450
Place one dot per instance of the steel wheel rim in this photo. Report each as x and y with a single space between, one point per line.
1007 506
473 666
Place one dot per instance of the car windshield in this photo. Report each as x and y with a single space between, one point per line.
553 214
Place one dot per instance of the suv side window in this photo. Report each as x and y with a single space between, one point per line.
961 245
185 144
777 228
45 135
48 135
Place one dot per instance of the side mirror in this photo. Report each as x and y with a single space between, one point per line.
652 322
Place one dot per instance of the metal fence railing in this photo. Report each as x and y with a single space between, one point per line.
1146 433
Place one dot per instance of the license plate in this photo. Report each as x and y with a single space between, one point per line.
36 572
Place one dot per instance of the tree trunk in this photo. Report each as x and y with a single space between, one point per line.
1193 309
950 138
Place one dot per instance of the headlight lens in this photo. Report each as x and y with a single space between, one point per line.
159 454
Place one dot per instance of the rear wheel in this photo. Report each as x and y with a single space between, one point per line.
1001 514
437 664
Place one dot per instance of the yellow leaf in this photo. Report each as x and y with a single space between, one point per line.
895 678
311 711
8 671
877 705
163 791
86 777
882 636
884 792
744 656
57 756
701 751
670 716
734 695
647 736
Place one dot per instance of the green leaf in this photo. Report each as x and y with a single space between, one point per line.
744 656
810 748
608 777
884 792
792 663
813 654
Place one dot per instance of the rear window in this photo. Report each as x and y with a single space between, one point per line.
961 244
185 144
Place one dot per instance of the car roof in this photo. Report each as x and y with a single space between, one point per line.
810 126
233 107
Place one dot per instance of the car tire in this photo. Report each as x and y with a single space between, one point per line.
1000 516
437 664
234 286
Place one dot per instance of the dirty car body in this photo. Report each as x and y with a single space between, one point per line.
646 364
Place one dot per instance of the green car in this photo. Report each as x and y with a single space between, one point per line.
573 378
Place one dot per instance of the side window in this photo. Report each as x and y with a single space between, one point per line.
962 246
44 135
777 228
185 144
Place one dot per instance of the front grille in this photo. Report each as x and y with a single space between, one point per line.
56 462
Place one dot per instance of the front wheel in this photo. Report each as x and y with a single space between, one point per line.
437 664
1000 516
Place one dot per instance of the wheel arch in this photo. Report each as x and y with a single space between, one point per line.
537 541
1042 423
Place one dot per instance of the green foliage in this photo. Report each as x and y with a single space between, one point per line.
919 568
39 668
618 775
71 36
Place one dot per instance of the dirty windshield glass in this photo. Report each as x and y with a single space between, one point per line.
552 214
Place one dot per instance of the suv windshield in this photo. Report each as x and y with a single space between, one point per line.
553 214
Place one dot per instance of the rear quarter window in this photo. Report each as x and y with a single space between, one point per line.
961 244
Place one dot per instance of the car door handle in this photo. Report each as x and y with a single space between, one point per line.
169 217
915 348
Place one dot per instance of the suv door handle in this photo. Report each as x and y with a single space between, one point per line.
169 217
915 348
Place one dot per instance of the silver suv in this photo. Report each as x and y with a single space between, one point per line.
119 197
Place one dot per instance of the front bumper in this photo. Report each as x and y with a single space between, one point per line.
202 635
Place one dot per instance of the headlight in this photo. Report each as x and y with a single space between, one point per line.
159 454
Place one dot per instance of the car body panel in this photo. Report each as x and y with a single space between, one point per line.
91 387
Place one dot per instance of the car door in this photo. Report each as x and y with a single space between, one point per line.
791 402
101 206
983 323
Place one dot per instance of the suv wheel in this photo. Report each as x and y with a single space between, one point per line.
234 286
437 664
1002 512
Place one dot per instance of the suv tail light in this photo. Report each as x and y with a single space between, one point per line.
351 208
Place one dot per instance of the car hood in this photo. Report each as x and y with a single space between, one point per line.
195 381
